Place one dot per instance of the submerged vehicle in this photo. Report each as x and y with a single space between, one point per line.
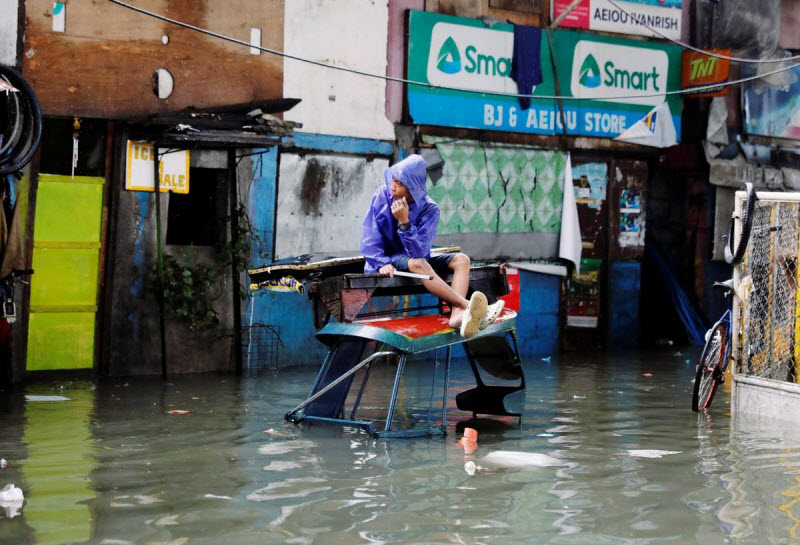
364 381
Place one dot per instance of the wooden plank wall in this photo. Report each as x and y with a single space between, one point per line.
521 12
103 65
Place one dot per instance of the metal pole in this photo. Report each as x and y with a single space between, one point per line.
444 390
400 367
237 309
160 254
340 379
554 24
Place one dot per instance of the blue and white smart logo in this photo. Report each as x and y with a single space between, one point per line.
475 58
608 70
449 59
589 73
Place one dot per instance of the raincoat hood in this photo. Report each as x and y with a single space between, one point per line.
412 172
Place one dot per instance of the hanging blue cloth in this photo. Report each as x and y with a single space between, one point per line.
12 190
526 66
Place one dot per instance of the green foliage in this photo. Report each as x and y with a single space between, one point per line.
187 290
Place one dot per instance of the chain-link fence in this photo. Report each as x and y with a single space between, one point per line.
766 319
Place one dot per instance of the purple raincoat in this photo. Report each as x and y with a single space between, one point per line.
381 241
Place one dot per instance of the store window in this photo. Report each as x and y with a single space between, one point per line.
198 217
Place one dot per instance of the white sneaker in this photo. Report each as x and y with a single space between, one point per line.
473 314
492 313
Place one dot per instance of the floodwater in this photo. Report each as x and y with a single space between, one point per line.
111 465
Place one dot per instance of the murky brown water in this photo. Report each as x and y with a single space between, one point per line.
112 466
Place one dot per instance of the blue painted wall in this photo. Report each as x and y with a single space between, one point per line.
339 144
625 281
537 320
289 313
261 203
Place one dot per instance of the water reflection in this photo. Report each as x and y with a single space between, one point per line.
58 464
208 459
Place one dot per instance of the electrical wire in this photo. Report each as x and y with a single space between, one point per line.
693 90
638 20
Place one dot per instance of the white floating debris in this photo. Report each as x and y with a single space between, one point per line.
510 458
11 499
215 497
3 463
649 453
45 398
470 468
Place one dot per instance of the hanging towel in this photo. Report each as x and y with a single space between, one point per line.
526 68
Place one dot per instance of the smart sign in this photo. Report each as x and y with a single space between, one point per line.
620 80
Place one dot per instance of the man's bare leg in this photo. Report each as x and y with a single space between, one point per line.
454 295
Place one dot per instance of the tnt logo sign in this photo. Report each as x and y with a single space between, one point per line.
705 70
702 68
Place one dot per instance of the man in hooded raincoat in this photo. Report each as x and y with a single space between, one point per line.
398 233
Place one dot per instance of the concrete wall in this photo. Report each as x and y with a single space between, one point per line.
758 403
348 34
322 201
396 55
8 31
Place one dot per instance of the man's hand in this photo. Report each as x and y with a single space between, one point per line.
400 210
387 270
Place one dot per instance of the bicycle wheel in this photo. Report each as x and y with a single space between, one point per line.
710 367
733 255
26 140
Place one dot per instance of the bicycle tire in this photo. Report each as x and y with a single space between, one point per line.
709 370
733 256
16 124
32 124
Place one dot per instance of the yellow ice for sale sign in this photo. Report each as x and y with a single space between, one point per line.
173 169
